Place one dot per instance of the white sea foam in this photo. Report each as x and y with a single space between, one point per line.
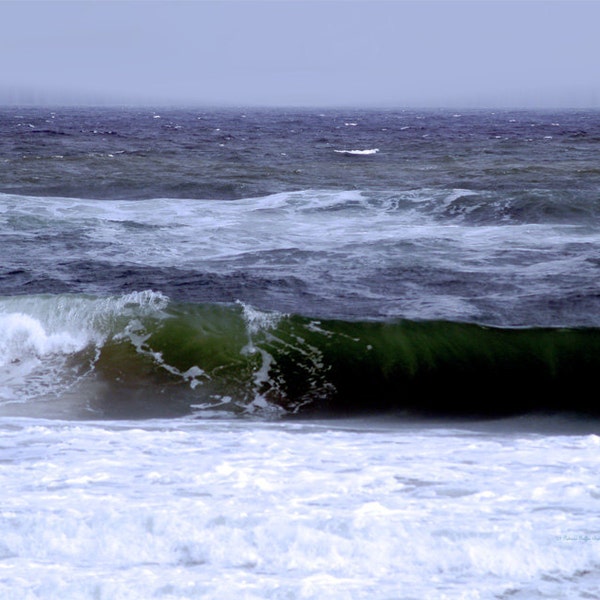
22 335
166 232
366 152
39 335
32 358
258 320
222 509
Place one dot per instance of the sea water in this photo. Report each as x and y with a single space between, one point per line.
302 354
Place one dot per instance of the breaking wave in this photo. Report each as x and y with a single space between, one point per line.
141 355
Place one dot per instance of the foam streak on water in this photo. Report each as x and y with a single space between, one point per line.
186 509
419 254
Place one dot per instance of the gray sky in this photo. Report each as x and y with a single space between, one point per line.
287 52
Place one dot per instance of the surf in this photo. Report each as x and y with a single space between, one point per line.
142 355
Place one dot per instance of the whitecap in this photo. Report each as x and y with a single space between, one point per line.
39 335
359 152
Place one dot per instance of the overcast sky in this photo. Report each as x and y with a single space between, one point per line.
310 52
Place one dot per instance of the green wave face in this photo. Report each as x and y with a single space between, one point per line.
141 355
443 367
244 360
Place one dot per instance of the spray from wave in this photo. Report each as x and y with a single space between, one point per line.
49 344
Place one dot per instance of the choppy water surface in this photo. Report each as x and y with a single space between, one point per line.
186 294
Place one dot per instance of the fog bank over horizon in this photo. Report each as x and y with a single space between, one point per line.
392 54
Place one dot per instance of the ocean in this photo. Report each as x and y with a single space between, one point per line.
280 354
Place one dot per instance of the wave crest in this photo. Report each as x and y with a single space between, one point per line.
141 355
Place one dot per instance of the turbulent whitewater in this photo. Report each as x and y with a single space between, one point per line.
299 354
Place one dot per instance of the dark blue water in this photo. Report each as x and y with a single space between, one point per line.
237 154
